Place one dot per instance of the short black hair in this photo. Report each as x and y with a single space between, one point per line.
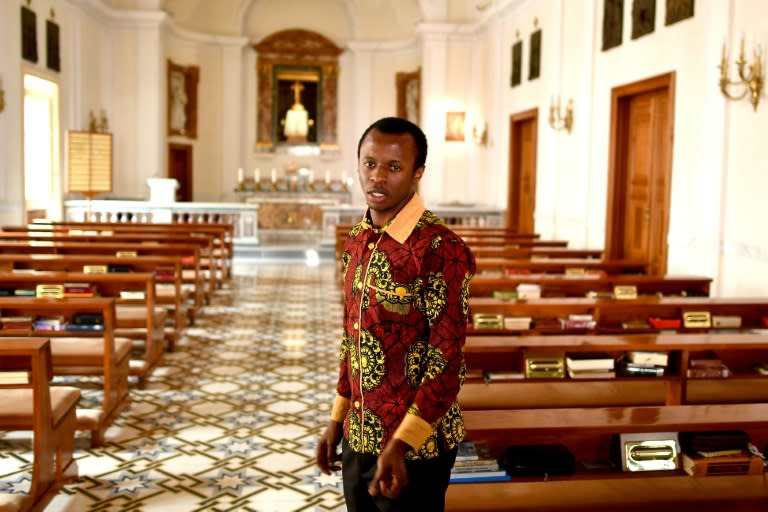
396 126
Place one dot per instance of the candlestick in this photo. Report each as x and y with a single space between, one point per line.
274 175
256 175
327 176
240 175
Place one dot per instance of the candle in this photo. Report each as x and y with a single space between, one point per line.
256 175
240 175
274 175
327 176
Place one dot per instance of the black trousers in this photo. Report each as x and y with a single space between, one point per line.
425 492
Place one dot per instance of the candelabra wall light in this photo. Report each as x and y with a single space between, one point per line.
2 96
558 120
750 82
480 135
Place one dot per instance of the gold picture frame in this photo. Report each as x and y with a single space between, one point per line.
409 95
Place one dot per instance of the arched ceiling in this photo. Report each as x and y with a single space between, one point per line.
340 20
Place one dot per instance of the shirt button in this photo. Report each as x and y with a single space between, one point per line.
356 326
357 404
371 245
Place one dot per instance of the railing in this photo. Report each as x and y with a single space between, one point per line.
245 216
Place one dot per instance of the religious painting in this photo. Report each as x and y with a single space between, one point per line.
517 63
52 54
678 10
28 34
454 126
534 66
408 95
182 100
643 17
613 23
298 95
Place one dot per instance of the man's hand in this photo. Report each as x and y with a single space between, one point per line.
327 456
391 474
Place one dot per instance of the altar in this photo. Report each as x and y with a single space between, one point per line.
292 210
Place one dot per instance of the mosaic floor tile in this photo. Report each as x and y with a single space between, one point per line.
229 421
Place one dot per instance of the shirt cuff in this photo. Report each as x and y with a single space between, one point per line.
340 408
413 430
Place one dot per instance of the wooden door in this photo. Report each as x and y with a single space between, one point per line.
640 172
521 198
180 169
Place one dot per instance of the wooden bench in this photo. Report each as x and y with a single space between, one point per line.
49 412
167 271
589 433
212 265
533 252
561 285
190 257
222 232
614 316
501 266
94 353
139 319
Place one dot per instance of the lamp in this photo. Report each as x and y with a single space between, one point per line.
752 82
296 123
480 136
560 121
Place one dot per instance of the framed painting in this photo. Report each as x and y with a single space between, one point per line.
643 17
678 10
613 23
517 64
409 95
182 100
28 34
534 66
52 52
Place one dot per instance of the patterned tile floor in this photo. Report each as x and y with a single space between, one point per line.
230 420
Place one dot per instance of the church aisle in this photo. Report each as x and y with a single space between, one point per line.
230 420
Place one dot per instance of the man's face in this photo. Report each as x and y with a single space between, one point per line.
386 172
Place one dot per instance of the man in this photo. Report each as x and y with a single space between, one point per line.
406 281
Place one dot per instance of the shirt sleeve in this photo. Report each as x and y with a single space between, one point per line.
447 270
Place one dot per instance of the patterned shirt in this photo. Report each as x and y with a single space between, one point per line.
405 314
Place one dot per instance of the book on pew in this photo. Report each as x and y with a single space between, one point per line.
16 322
502 376
648 357
591 374
133 294
15 377
480 476
629 369
84 328
589 361
78 290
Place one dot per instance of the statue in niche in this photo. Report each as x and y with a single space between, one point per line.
178 120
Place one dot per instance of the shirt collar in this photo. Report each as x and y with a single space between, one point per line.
401 226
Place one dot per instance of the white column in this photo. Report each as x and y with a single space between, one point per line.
151 100
433 81
234 152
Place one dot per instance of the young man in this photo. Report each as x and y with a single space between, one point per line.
406 282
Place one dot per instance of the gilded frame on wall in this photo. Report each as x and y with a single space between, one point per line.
409 95
678 10
643 17
182 99
613 23
517 64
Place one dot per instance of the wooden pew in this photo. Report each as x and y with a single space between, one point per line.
498 266
212 267
614 316
49 412
560 285
222 232
167 271
535 252
589 434
189 253
93 353
137 318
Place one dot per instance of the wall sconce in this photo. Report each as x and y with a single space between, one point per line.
752 81
480 136
560 121
2 96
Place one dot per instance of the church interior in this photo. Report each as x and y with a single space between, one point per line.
602 158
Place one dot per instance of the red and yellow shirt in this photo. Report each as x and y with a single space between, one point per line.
405 314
